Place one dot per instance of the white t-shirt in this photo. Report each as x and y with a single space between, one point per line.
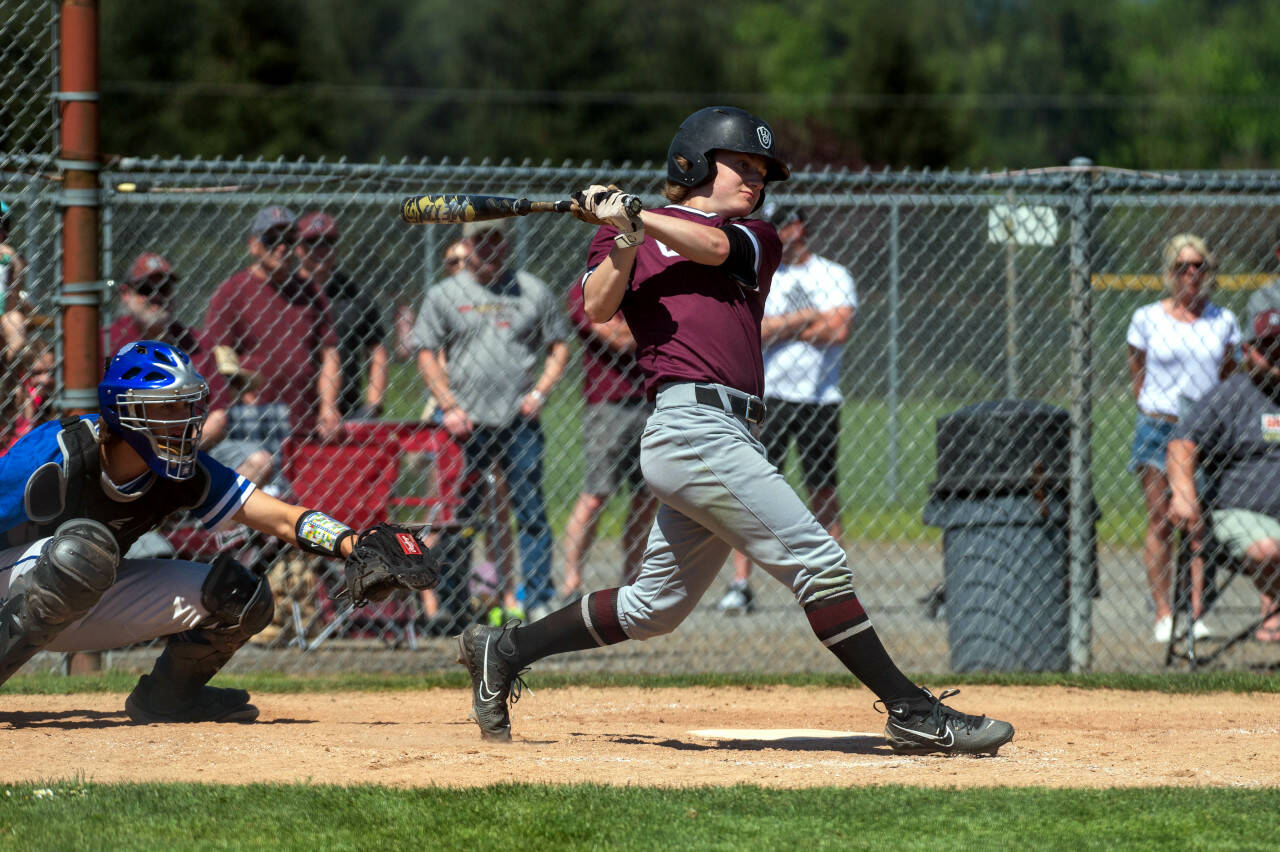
794 370
1183 359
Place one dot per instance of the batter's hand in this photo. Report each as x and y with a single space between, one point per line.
606 204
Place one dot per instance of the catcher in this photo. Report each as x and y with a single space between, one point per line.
75 494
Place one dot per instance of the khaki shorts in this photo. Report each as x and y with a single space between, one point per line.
1240 528
611 445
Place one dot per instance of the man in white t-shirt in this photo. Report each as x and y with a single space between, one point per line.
807 319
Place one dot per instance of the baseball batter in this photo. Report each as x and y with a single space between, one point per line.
75 494
691 280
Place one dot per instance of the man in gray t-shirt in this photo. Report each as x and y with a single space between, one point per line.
1233 433
491 345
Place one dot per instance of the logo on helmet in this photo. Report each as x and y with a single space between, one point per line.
765 137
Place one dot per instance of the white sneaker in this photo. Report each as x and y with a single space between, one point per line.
1164 629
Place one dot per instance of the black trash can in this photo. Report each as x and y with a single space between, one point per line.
1001 498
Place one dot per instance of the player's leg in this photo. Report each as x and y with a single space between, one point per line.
221 606
644 505
49 585
739 597
737 495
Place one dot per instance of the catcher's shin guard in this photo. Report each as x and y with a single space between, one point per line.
75 567
240 604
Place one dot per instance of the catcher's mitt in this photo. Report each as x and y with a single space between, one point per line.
387 557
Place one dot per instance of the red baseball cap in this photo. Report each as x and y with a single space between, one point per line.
149 265
1266 326
317 226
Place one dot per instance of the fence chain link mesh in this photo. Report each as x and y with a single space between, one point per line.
963 286
984 427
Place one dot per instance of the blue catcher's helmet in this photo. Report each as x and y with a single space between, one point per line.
153 397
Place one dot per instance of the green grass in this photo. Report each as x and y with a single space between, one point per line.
73 815
455 678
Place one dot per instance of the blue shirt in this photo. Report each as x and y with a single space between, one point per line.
226 493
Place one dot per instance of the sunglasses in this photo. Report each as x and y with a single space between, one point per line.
154 291
278 236
1192 266
327 242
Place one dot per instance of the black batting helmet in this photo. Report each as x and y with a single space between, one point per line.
722 128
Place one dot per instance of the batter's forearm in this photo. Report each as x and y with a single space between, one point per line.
699 243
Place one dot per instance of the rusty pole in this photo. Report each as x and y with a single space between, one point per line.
82 284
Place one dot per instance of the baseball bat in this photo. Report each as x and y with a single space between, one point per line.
457 209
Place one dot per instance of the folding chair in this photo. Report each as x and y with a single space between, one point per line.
355 479
1220 570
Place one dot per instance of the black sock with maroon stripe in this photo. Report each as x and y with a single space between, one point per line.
568 629
842 625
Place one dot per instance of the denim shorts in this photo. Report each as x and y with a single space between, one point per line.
1150 440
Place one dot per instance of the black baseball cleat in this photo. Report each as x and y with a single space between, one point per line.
494 682
211 704
925 724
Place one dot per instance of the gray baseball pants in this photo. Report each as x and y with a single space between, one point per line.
719 492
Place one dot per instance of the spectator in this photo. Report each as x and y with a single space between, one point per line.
37 385
807 318
255 431
13 299
1179 348
1233 433
615 414
146 300
357 319
1266 298
30 402
493 326
279 326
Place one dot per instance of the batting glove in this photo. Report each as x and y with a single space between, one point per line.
606 204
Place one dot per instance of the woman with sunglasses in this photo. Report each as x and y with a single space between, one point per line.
1179 348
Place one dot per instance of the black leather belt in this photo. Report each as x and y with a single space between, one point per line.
748 408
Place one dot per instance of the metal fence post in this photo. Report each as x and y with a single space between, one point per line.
895 274
1081 521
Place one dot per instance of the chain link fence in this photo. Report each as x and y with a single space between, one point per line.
964 295
982 438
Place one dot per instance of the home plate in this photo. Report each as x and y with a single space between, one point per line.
778 734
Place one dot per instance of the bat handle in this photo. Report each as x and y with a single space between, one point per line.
633 204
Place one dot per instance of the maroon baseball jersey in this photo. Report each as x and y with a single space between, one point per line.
607 374
691 322
279 332
194 343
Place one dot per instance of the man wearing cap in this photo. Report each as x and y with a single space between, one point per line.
13 310
1233 434
146 302
807 318
357 320
491 345
279 326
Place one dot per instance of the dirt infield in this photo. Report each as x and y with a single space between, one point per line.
784 737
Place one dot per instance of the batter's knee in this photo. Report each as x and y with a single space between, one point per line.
76 566
641 619
817 584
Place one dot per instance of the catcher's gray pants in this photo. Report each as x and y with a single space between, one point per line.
149 599
718 493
